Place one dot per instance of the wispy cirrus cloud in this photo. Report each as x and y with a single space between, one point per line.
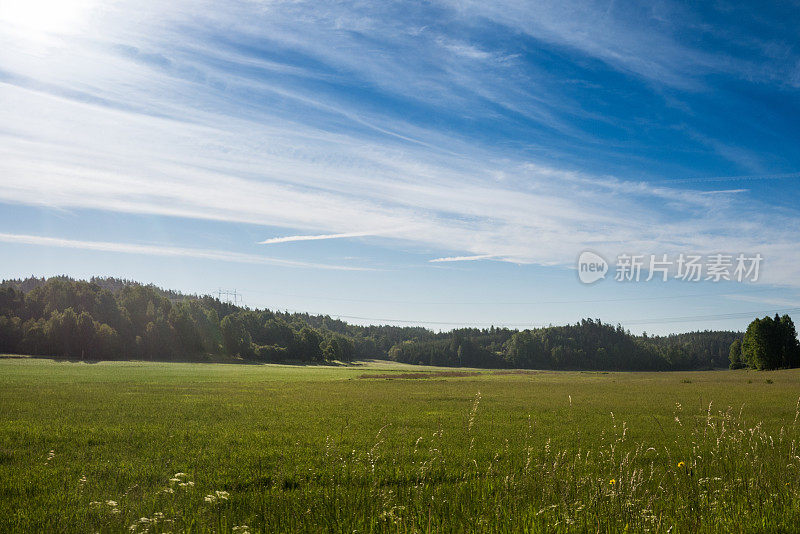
433 200
294 238
476 257
614 32
326 119
166 251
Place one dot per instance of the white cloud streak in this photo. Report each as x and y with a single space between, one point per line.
294 238
165 251
462 258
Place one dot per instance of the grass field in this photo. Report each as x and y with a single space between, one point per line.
168 447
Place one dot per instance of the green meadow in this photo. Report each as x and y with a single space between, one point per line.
380 447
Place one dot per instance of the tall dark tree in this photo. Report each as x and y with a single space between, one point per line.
10 333
235 337
338 347
771 343
309 342
790 347
735 355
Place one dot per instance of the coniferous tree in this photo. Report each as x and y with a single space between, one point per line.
735 355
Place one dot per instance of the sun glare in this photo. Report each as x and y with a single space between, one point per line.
43 18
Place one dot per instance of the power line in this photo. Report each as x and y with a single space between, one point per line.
632 322
233 296
716 317
497 302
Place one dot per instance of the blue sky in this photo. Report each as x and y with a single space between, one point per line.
196 144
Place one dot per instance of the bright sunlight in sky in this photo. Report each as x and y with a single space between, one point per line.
40 19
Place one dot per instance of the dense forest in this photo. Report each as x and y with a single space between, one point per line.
113 319
589 344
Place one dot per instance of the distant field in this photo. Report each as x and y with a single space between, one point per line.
171 447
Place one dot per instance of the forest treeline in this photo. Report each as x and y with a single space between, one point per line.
113 319
587 345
